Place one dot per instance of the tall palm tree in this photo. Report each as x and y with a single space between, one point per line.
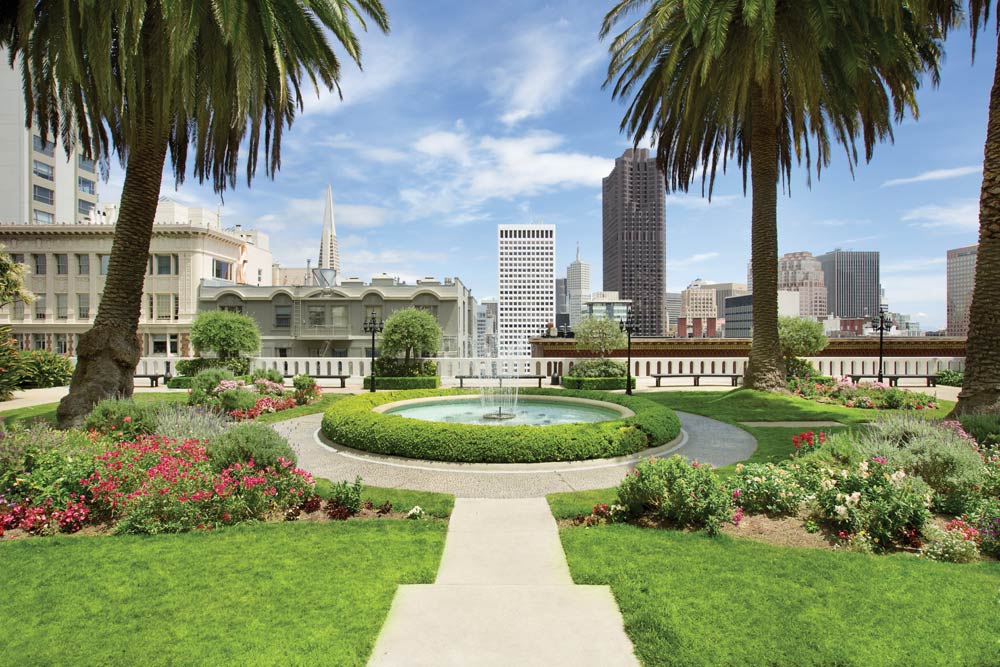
769 82
137 78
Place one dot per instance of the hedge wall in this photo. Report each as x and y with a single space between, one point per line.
403 382
571 382
351 422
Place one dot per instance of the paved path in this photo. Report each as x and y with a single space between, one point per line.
503 596
704 439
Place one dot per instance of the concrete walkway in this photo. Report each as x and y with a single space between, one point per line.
503 596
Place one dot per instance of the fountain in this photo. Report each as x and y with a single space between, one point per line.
497 401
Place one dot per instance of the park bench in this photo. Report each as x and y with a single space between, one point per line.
343 378
154 378
893 380
462 378
735 379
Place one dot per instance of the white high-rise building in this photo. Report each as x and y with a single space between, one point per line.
38 184
577 286
526 301
329 250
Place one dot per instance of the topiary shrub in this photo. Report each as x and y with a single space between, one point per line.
403 382
243 442
596 383
237 366
38 369
123 419
392 367
10 362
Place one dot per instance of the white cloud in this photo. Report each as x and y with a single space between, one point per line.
693 259
962 214
450 145
366 151
935 175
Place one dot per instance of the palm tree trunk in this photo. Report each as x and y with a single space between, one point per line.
981 388
765 369
107 354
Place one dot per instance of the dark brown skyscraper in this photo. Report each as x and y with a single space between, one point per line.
635 238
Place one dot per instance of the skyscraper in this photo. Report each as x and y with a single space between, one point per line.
526 300
635 238
852 283
562 303
673 301
329 249
577 287
38 184
801 272
961 281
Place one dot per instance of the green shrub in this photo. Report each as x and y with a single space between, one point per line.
247 441
985 517
187 422
38 461
272 374
950 378
306 389
180 382
38 369
10 362
768 488
204 382
237 399
679 491
891 399
123 419
950 546
797 367
422 382
598 368
595 383
984 427
346 495
237 366
392 367
352 423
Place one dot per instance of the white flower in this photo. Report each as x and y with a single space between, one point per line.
827 484
415 513
841 511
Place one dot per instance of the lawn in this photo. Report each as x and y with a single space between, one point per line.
435 504
47 411
691 600
273 594
301 410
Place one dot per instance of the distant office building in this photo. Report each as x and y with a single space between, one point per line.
739 312
852 283
526 302
606 305
801 272
486 328
698 301
673 300
961 281
562 299
723 291
634 223
329 249
577 287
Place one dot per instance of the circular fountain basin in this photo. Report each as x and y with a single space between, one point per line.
530 411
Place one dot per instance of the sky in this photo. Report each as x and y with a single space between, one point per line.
472 114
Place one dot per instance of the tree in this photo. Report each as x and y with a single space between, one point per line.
599 335
227 334
11 289
410 332
12 281
136 78
765 81
801 337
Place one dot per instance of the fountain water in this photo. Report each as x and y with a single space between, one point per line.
498 401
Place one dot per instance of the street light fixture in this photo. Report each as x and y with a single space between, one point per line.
629 327
373 326
881 323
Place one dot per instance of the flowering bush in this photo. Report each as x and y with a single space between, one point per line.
985 517
306 389
887 504
219 390
766 487
266 387
73 516
249 442
679 491
807 441
866 395
263 405
955 544
121 419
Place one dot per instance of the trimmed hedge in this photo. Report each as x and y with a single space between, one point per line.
238 365
586 383
352 423
403 382
180 382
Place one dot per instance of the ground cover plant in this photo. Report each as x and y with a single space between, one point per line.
300 593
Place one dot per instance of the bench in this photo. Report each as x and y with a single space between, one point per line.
343 378
893 380
462 378
154 378
735 379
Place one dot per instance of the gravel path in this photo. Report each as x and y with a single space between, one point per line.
703 439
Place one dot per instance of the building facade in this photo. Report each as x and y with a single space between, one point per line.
577 287
526 300
739 312
722 292
961 281
699 301
321 321
66 267
562 303
329 249
853 288
801 272
607 305
486 328
673 302
634 238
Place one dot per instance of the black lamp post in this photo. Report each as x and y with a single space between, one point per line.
373 326
881 323
629 327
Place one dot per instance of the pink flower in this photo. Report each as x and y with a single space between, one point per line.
127 420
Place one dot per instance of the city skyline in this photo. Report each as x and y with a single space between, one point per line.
484 127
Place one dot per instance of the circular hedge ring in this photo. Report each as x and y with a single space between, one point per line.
352 422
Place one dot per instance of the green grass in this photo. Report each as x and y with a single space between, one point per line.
275 594
301 410
47 411
689 600
435 504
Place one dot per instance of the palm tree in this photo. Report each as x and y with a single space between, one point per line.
766 81
140 77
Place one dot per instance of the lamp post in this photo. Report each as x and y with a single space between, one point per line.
881 323
629 327
373 326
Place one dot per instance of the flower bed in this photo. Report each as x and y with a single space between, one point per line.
865 395
218 390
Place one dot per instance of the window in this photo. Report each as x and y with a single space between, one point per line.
163 265
17 257
42 170
221 270
43 195
83 306
164 343
104 260
18 310
37 341
61 346
42 217
282 316
83 265
339 316
61 307
62 265
163 309
39 307
85 164
83 206
86 185
39 261
317 316
43 148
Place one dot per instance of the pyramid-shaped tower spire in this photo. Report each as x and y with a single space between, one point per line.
329 250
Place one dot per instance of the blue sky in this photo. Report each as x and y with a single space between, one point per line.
473 114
